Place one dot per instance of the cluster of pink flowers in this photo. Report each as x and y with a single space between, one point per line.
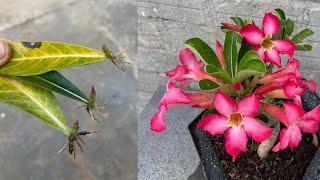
237 115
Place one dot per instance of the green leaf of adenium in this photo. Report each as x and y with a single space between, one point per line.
207 85
37 101
304 47
281 13
302 35
230 52
249 65
204 51
218 73
54 81
41 57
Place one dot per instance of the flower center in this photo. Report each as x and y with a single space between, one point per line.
235 119
267 43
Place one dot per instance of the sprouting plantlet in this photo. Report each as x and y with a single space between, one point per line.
117 58
92 109
74 137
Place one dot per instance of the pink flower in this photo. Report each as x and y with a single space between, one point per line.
220 56
266 47
296 120
190 70
173 96
201 100
238 120
289 79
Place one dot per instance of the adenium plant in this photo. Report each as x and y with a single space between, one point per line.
29 76
243 86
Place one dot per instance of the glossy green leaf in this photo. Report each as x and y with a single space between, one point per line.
206 84
41 57
218 73
54 81
37 101
230 52
249 65
302 35
244 48
304 47
239 22
281 13
289 27
204 51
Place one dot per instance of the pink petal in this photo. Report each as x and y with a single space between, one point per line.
295 137
310 84
201 100
214 124
198 74
293 112
275 112
231 26
188 59
292 67
261 52
271 24
252 34
177 73
157 123
313 114
220 56
285 46
308 126
256 130
283 140
224 104
273 57
249 106
292 89
174 96
236 142
237 86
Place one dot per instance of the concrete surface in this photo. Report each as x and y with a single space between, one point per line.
28 148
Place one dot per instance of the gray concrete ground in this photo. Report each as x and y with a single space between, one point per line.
28 148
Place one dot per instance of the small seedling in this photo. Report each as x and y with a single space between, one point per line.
75 138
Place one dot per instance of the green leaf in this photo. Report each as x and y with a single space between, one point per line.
244 48
289 27
230 52
37 101
249 65
41 57
218 73
54 81
204 51
281 13
206 84
239 22
302 35
304 47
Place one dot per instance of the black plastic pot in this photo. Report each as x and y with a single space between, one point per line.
210 163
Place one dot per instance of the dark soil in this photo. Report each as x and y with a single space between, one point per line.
286 164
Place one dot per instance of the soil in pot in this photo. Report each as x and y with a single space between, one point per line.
286 164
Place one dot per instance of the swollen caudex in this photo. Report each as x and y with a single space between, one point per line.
5 52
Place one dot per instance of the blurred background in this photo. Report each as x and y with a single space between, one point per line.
28 148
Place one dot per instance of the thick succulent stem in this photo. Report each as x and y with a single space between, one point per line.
266 146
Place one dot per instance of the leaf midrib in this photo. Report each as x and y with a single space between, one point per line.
38 103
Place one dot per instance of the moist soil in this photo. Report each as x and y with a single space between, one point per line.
283 165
